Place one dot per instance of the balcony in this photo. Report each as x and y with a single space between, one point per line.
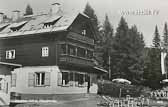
78 37
69 59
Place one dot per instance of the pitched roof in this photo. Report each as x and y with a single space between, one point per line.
35 24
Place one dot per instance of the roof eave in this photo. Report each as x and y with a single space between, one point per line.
10 64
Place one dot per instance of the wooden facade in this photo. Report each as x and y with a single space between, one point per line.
28 48
56 54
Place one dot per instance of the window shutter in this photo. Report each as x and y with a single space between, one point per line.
13 82
59 82
47 78
31 79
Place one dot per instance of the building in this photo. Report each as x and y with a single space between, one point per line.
5 81
55 51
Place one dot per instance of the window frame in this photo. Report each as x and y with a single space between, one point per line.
71 50
81 52
84 32
8 56
40 83
63 49
45 51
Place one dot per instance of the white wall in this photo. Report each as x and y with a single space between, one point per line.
22 82
5 92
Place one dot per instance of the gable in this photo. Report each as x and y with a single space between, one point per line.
81 23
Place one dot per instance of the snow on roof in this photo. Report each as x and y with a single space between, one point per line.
52 19
14 25
43 30
35 24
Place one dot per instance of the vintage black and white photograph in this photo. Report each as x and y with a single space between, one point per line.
83 53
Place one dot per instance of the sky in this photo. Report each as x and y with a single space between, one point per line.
145 14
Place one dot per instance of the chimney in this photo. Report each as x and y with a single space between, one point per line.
1 16
15 15
56 8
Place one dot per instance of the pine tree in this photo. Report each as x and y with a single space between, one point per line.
107 43
108 29
119 67
152 72
136 54
29 10
156 39
165 33
128 53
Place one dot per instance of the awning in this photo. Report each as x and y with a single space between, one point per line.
10 64
52 19
15 25
6 68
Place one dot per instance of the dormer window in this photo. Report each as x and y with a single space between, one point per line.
17 26
51 21
3 26
47 25
84 32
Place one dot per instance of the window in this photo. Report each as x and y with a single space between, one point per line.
81 79
72 79
47 26
89 54
10 54
65 78
17 26
71 50
51 21
13 82
83 32
63 48
45 51
40 79
81 52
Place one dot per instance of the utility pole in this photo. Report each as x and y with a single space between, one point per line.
109 66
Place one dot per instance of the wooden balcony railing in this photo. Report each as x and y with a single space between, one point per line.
75 60
80 38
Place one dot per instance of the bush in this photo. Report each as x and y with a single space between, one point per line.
113 89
